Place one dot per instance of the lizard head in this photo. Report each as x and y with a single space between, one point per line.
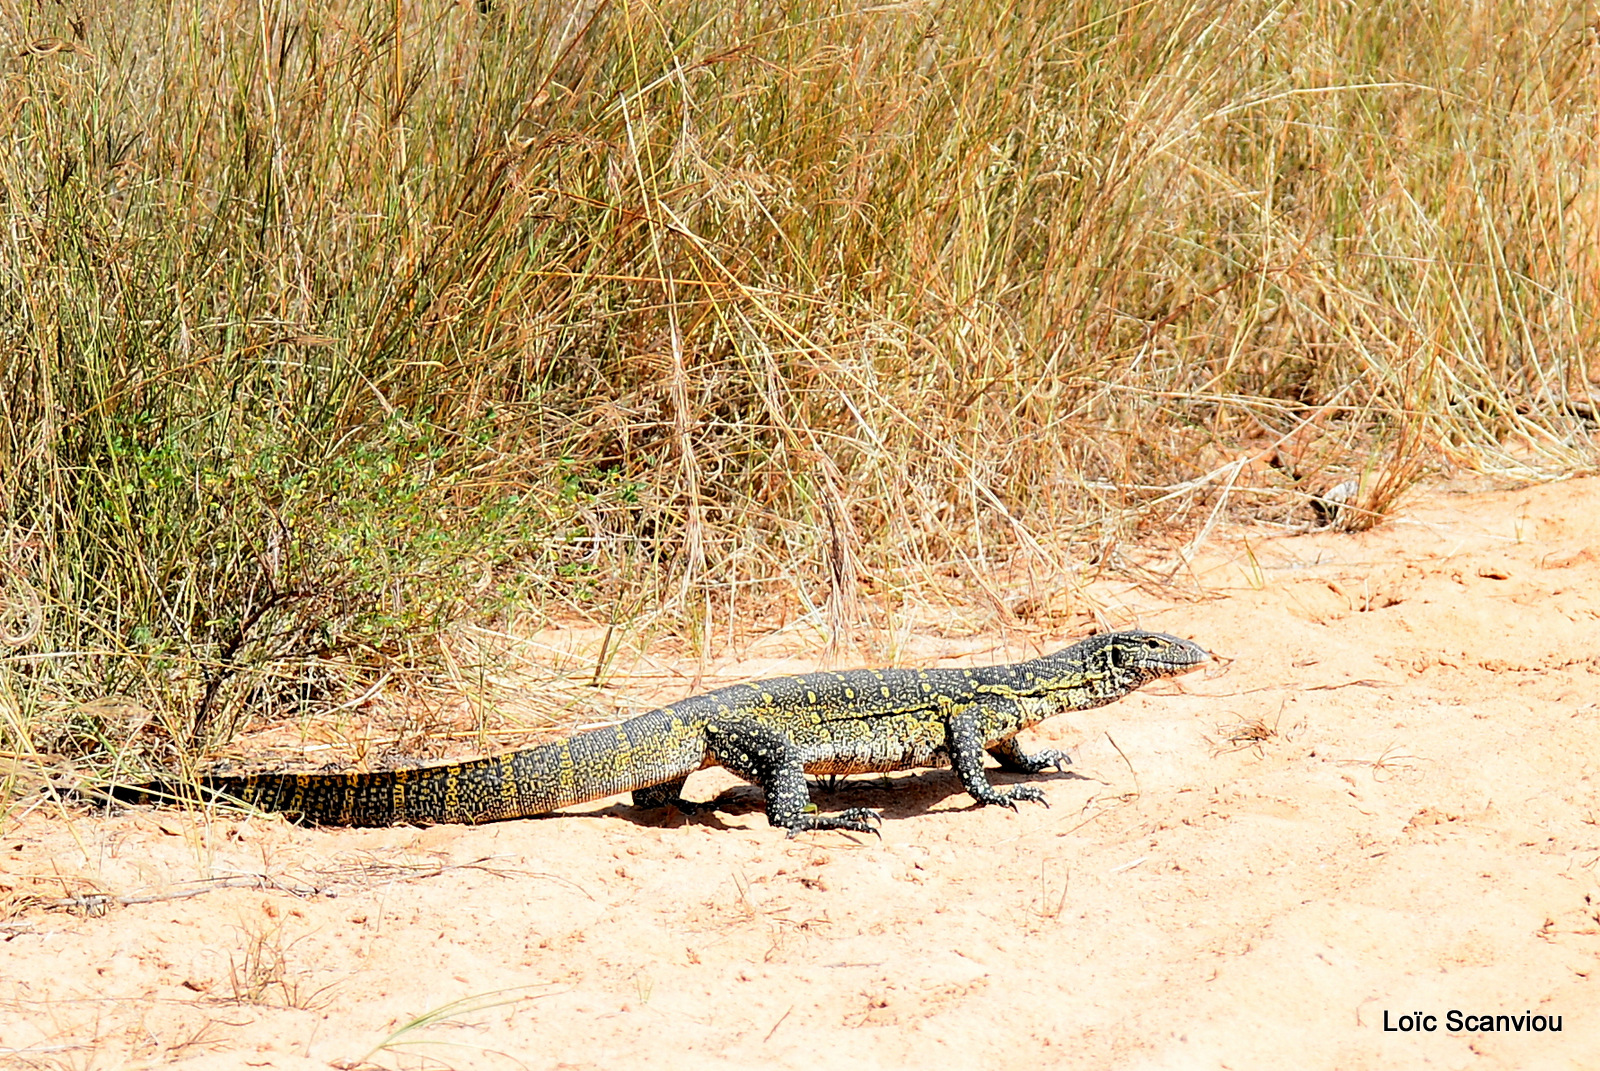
1103 668
1147 656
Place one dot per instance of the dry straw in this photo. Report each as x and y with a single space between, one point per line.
323 325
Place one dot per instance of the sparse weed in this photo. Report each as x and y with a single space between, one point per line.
451 1014
1249 734
262 974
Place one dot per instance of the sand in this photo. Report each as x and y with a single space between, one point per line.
1380 802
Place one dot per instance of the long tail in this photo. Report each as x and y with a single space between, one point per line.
648 750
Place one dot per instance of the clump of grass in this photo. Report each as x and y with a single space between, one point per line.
262 974
1249 734
321 326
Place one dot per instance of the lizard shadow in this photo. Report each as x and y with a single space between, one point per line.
918 792
900 795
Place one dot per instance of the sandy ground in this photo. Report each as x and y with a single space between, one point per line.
1381 801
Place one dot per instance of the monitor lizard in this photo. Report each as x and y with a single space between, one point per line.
769 732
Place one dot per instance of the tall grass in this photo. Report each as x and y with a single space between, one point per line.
324 324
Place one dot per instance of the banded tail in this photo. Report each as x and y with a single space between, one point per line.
640 753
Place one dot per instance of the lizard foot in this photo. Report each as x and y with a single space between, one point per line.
1009 799
1051 757
856 820
1011 757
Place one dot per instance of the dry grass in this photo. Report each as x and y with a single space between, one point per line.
1249 734
322 326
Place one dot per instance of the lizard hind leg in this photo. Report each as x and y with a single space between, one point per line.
667 794
766 758
670 794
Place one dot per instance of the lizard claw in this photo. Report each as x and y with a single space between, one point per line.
1028 792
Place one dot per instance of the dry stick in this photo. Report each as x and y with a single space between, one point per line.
98 901
1364 682
1095 817
777 1024
1136 790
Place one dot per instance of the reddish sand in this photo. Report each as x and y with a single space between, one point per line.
1382 800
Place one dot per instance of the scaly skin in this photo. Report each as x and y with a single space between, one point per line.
770 732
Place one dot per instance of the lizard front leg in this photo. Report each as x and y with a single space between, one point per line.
765 757
964 741
1009 754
